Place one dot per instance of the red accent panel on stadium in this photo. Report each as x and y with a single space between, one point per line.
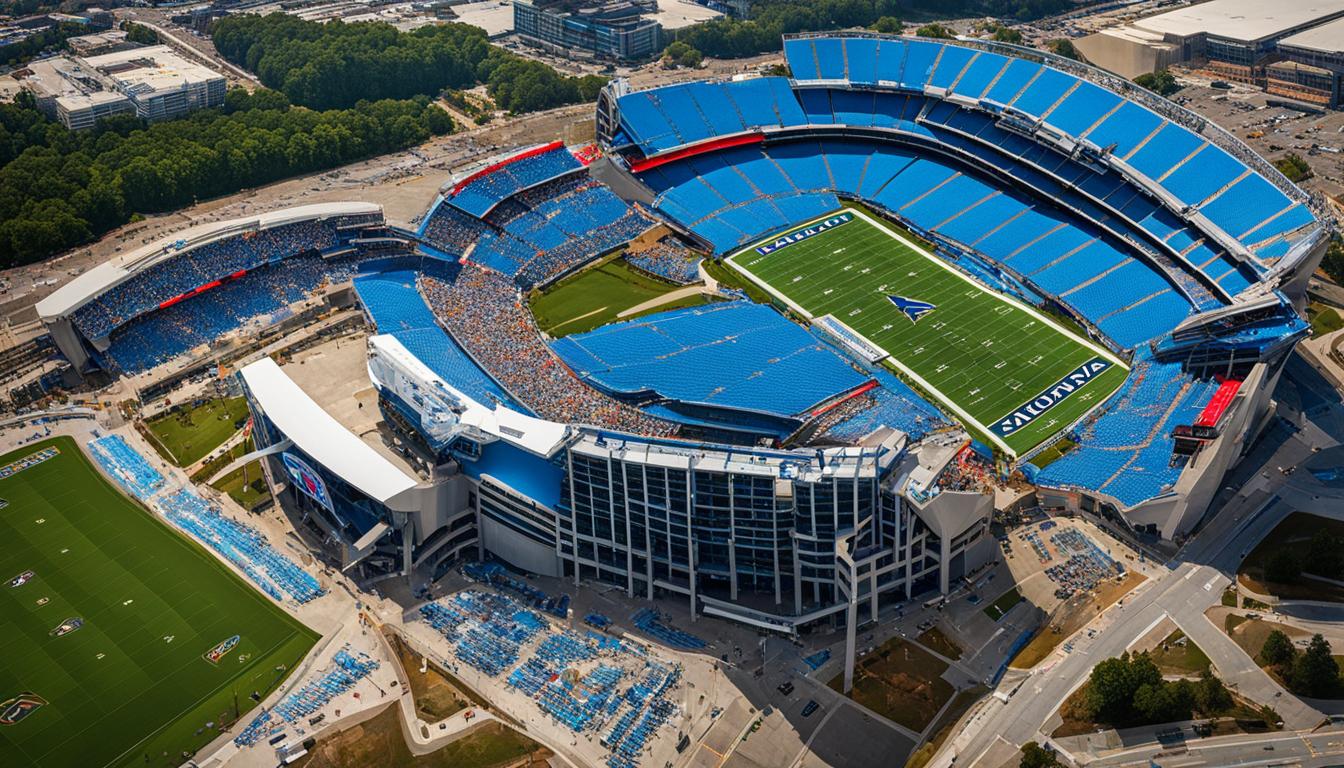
1219 403
697 149
198 290
489 169
871 385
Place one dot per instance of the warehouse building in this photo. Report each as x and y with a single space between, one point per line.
1236 39
1312 68
153 82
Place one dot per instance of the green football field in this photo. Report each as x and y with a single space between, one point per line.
1013 375
133 682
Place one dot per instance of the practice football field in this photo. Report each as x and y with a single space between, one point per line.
133 681
1013 375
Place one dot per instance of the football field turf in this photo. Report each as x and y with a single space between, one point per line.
133 680
1013 375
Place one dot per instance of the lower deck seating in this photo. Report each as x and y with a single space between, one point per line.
1125 450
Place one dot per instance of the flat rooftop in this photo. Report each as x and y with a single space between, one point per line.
335 376
1246 20
1327 38
156 67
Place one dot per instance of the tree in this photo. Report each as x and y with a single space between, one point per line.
139 33
1315 672
60 188
936 30
1294 167
1283 567
1162 82
679 54
1064 47
1114 683
1003 33
1211 697
1333 263
337 65
888 25
1034 756
1278 650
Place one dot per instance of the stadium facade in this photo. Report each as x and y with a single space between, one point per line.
1168 242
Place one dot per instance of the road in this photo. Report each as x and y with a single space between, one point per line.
1194 583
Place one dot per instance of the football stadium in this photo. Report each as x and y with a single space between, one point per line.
122 638
761 346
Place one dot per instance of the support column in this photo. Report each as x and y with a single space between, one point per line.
851 632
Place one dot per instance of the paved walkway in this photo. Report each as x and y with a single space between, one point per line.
666 298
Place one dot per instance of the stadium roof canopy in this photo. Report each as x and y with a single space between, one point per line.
319 435
112 272
1243 20
1327 38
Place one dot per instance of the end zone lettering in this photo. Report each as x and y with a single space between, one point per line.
1050 397
803 234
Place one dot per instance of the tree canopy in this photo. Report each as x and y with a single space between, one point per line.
1161 82
60 188
1130 690
335 64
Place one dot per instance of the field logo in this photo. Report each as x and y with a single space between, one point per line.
308 481
220 651
67 626
19 707
21 579
1050 397
803 234
913 309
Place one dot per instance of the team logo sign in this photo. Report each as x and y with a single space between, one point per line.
220 651
1053 395
911 308
19 707
21 579
805 233
66 627
307 480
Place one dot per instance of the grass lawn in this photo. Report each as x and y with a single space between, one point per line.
1242 717
1178 655
1003 603
900 681
379 742
1250 634
983 355
935 640
1324 319
245 485
209 468
594 297
133 680
186 434
1294 530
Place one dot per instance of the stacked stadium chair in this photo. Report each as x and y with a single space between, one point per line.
347 669
126 466
242 545
648 622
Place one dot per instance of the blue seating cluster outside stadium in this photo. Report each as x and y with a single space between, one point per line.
238 543
346 670
616 691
